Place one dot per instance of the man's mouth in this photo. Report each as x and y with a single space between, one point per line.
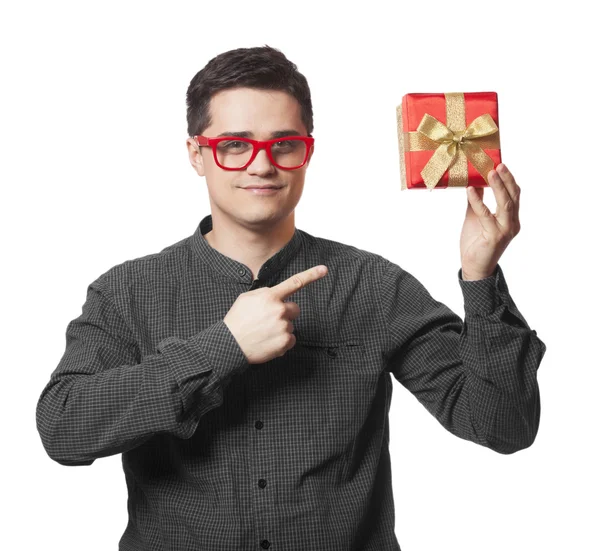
262 187
263 190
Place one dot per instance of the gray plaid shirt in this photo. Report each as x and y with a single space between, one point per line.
291 454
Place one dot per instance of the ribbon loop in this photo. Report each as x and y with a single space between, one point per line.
434 129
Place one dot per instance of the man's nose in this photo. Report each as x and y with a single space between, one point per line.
261 163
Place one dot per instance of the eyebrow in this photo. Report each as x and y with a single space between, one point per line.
276 134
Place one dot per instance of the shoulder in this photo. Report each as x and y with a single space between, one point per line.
336 254
165 266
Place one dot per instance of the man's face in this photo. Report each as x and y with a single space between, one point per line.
260 113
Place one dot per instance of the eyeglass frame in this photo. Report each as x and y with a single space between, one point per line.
204 141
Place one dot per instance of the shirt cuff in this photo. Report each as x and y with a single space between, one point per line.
482 296
213 350
220 348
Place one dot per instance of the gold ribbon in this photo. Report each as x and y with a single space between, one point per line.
454 145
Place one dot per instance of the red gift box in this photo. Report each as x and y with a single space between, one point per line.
448 140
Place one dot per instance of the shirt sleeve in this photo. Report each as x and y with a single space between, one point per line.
103 399
477 377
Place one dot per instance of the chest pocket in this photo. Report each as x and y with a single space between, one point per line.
338 389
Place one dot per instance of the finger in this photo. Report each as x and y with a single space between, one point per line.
505 205
509 182
292 342
298 281
515 193
292 310
484 215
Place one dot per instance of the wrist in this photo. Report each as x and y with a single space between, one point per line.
466 276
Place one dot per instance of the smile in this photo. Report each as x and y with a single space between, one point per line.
263 191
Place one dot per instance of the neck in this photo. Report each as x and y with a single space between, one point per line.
248 244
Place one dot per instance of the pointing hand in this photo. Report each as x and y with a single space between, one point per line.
261 321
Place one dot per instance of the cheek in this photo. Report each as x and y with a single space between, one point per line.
222 186
221 180
298 186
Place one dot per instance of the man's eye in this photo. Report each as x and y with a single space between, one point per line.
285 144
233 144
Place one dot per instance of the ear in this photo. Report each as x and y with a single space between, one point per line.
195 156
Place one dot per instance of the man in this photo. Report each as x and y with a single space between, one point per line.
247 390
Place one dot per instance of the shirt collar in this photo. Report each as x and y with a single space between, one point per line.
232 269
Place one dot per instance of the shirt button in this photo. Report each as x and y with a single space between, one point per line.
262 483
259 425
265 544
241 271
332 352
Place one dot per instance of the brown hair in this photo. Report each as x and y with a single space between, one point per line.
261 67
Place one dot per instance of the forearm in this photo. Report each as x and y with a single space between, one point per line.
103 399
501 355
499 389
82 417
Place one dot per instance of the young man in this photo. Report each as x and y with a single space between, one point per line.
247 390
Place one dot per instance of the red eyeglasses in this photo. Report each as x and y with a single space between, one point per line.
234 153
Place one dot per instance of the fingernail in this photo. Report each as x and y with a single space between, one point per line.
502 168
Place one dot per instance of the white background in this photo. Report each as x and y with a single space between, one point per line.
94 171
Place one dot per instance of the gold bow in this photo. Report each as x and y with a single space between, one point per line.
454 144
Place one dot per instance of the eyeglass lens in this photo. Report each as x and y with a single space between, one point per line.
236 153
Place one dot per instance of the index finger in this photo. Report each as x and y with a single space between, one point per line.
288 287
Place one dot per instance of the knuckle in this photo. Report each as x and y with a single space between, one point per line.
287 342
290 340
297 281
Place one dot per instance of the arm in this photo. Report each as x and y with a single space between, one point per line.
477 377
102 400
